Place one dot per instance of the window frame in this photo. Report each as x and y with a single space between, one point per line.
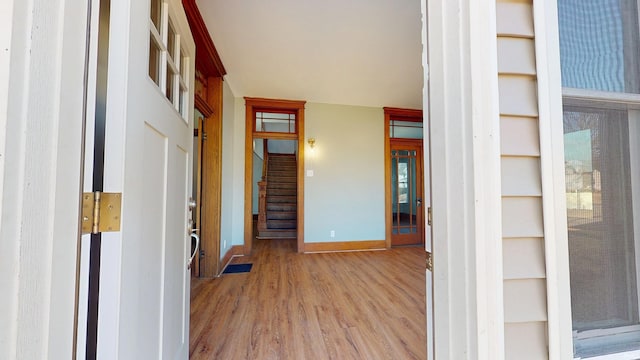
630 102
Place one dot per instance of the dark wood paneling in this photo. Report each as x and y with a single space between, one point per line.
207 59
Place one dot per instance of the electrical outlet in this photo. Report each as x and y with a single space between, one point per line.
332 234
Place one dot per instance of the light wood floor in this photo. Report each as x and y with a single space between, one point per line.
357 305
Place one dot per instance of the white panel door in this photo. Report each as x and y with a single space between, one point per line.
144 285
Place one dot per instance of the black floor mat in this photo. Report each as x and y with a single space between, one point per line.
237 268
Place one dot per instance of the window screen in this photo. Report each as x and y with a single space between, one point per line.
599 50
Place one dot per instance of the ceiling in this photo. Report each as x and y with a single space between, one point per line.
353 52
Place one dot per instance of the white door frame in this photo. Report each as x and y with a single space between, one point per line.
465 142
41 122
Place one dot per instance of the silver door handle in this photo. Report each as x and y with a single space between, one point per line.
192 203
195 250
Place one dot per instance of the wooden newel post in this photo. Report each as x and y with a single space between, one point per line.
262 206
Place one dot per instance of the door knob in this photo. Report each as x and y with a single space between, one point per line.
192 203
419 202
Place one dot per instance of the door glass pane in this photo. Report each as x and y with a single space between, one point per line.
170 82
171 42
604 293
394 191
599 44
156 8
182 101
184 64
403 192
154 60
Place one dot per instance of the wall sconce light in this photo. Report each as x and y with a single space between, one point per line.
312 142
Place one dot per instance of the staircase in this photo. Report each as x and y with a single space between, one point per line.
281 198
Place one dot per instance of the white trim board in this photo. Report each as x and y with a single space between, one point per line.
631 355
559 326
464 126
42 175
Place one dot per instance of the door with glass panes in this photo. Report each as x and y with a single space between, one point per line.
406 193
405 197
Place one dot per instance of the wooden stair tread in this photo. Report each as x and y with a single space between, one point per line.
282 215
278 234
281 197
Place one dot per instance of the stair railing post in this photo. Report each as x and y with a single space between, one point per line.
262 206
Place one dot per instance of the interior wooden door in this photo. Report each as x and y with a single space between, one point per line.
144 282
407 210
197 189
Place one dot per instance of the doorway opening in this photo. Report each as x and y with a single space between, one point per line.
274 165
275 189
404 185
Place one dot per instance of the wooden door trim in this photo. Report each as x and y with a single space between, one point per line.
196 212
207 59
405 115
208 99
211 194
251 104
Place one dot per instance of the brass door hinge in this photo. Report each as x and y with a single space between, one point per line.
101 212
429 216
429 261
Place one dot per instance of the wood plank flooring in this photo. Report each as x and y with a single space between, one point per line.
356 305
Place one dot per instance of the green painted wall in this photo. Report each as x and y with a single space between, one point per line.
346 192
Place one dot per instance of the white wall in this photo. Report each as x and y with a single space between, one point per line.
346 192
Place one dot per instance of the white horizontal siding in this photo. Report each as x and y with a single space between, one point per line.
525 341
516 56
523 136
514 19
525 300
518 95
522 217
523 258
524 287
521 176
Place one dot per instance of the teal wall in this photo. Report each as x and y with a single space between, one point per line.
346 192
228 201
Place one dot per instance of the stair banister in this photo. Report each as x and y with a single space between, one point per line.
262 190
